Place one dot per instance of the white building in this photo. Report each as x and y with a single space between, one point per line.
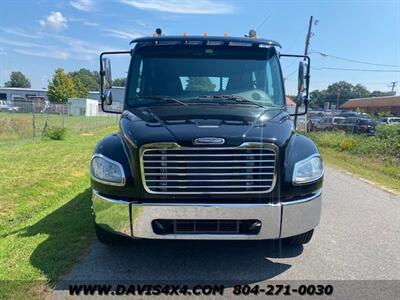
95 95
83 107
118 94
9 94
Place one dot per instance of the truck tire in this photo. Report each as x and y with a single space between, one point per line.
301 239
108 238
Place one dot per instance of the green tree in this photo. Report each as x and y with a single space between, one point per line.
19 80
340 92
201 84
89 79
82 91
317 98
61 87
119 82
382 94
360 91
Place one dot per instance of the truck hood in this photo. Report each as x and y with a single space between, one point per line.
183 124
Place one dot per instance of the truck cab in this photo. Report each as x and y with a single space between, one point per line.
206 148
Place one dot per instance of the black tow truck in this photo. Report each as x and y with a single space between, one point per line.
206 148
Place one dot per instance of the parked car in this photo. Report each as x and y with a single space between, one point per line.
39 103
328 123
311 122
6 107
390 120
313 118
357 126
354 114
58 109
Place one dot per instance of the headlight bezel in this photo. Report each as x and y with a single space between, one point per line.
102 180
302 163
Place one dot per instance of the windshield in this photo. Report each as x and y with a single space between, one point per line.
201 75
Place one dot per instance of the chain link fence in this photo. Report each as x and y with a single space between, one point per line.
29 121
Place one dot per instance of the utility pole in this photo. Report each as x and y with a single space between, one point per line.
308 37
393 85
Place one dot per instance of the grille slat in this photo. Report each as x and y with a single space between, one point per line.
212 168
210 161
205 180
209 186
208 155
208 174
168 168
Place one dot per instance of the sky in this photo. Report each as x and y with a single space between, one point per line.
36 37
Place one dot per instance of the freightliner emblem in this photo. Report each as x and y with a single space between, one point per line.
209 141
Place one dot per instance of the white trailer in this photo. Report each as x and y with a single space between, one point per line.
82 107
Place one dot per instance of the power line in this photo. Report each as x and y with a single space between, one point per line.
263 22
354 60
290 74
355 70
298 37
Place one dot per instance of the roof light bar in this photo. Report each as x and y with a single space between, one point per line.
205 39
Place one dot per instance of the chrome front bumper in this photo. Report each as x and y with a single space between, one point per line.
278 220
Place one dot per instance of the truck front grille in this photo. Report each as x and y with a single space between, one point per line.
168 168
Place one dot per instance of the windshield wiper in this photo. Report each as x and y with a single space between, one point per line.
236 98
162 98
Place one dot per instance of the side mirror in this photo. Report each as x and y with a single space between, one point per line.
110 103
301 84
301 76
107 72
108 98
106 79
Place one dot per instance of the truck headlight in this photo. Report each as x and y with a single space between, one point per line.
308 170
107 171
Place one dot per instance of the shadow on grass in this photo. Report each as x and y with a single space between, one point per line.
70 233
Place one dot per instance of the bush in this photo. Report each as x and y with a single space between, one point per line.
327 139
389 137
384 145
347 144
55 133
388 131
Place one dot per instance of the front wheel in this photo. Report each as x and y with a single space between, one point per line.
108 238
301 239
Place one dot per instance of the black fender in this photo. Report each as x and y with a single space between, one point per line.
114 148
299 148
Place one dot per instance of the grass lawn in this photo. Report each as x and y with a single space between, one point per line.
18 126
383 174
45 217
371 158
